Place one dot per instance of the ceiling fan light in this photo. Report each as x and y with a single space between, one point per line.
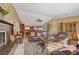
39 20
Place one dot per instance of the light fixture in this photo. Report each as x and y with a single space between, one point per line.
27 28
39 20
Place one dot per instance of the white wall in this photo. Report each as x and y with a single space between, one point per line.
4 27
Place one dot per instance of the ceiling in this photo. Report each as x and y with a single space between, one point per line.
29 13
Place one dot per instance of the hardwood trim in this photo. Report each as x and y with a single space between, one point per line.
1 21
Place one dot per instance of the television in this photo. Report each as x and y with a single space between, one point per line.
3 38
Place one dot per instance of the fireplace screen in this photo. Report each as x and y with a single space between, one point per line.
2 37
5 31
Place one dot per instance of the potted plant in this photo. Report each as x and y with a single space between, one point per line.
3 12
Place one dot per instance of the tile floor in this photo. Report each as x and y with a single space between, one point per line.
30 48
19 50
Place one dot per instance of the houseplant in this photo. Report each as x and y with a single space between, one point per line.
3 12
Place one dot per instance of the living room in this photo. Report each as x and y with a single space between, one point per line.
39 28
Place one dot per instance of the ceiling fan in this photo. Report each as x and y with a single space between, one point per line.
39 20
